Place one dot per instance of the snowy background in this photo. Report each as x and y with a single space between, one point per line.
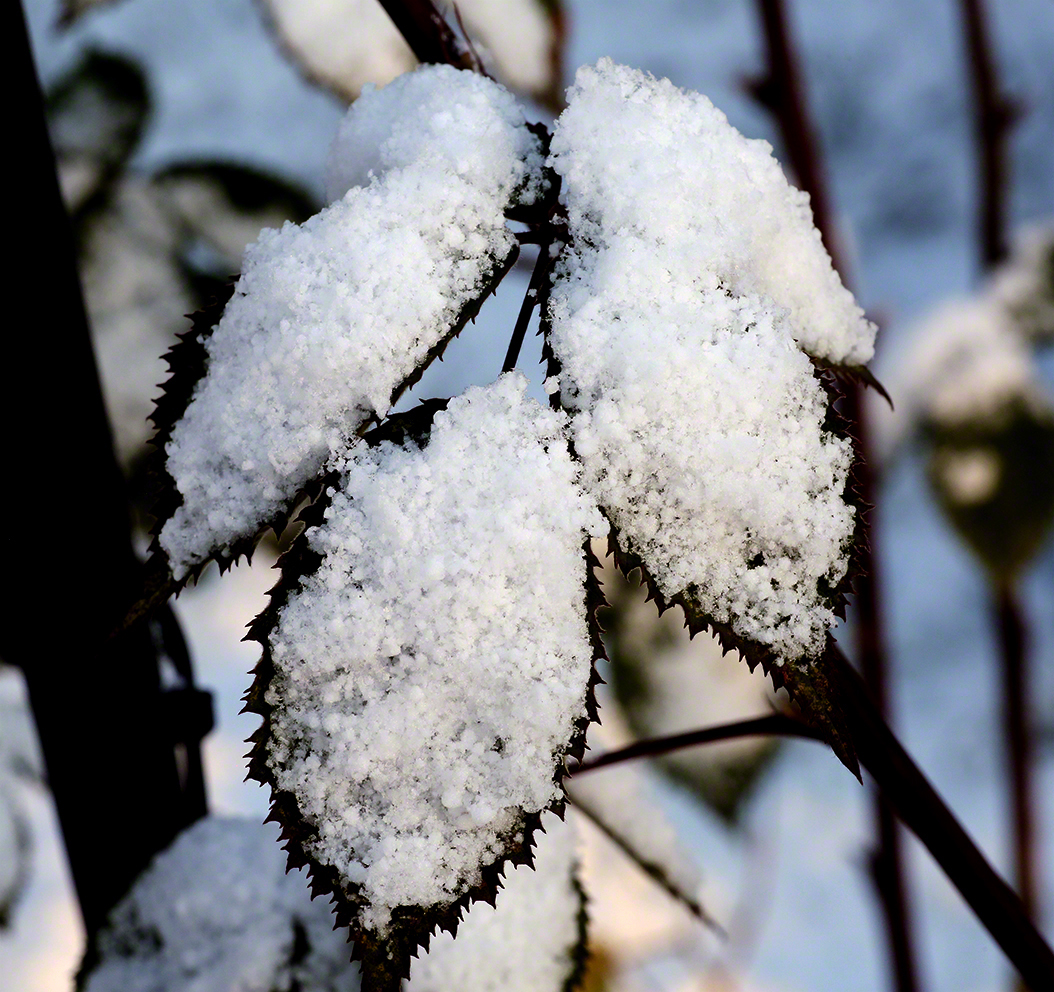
889 92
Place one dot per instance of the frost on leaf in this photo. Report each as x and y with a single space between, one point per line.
531 940
214 912
428 666
332 319
691 281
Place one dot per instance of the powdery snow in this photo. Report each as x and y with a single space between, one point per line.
216 912
527 942
331 316
415 745
696 415
643 159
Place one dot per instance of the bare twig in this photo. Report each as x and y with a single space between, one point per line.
530 301
774 723
428 34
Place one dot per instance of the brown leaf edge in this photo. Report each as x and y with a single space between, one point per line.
188 365
813 686
385 960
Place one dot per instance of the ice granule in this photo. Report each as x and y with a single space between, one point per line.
527 942
331 316
430 674
677 313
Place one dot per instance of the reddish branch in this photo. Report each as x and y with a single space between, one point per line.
782 92
993 116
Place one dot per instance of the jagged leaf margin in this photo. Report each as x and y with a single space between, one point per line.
188 364
385 963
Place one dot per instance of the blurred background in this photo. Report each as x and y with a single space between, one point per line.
183 127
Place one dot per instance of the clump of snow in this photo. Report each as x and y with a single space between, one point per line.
677 313
527 942
643 159
968 363
216 912
415 744
1024 284
331 316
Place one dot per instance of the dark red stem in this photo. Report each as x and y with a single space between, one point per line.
993 116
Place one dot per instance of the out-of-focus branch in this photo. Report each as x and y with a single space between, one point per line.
1013 643
993 116
782 92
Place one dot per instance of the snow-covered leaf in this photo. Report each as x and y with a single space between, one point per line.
666 682
691 287
531 940
96 115
1024 283
216 912
331 320
346 44
428 665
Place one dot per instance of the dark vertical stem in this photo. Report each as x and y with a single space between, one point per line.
993 115
1016 727
782 91
68 562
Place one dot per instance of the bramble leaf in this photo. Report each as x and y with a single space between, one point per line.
410 759
332 321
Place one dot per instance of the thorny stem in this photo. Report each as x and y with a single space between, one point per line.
530 301
653 747
782 92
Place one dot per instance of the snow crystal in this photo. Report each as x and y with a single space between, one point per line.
696 415
527 942
430 674
642 158
331 316
216 912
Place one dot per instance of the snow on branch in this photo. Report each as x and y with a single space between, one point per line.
331 318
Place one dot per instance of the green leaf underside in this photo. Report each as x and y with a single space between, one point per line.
1007 521
385 959
188 362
